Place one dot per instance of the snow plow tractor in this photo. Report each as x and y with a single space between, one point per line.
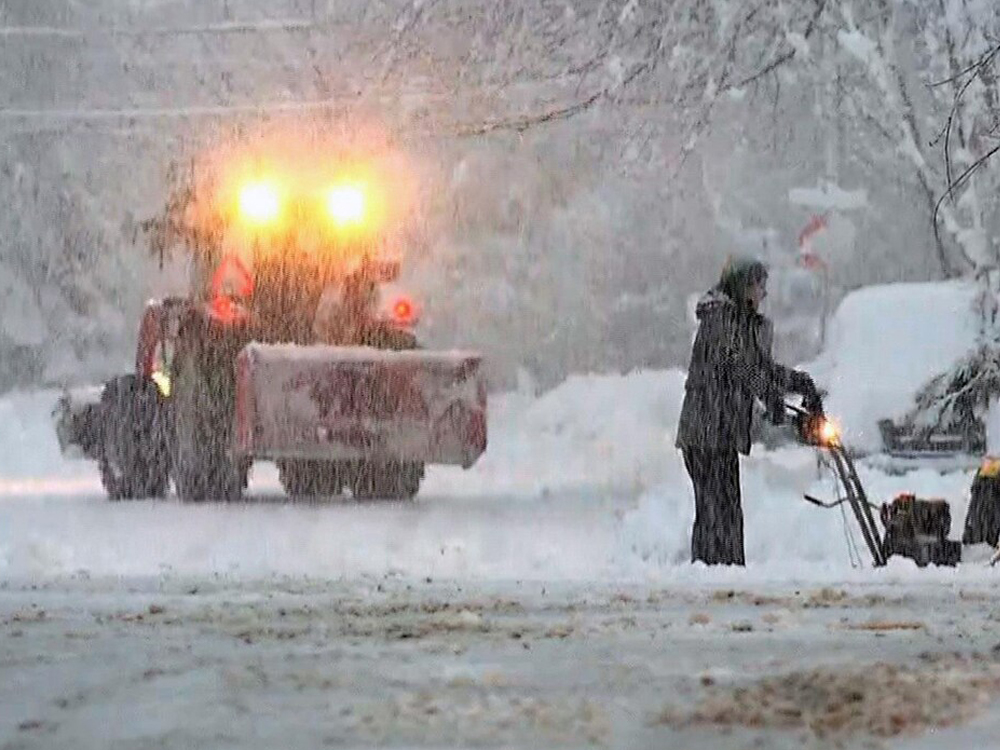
288 348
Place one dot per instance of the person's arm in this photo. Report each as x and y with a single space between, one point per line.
752 365
736 355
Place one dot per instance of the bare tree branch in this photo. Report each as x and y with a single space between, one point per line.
962 179
520 124
786 56
984 60
974 71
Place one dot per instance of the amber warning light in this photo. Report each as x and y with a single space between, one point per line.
259 203
346 205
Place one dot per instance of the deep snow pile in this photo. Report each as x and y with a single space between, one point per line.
30 462
594 434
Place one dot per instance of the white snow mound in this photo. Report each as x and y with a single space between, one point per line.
884 343
605 434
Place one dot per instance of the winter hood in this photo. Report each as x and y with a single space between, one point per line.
712 301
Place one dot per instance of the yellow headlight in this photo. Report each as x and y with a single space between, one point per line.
162 381
260 203
346 205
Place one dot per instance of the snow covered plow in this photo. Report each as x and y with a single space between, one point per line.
357 403
331 417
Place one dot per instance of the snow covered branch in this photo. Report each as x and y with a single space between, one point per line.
980 72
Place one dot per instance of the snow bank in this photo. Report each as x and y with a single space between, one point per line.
29 451
884 343
599 434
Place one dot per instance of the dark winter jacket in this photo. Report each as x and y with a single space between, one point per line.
731 366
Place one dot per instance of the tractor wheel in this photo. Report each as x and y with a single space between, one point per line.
389 481
311 478
133 458
203 412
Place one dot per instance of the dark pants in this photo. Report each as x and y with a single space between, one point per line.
717 537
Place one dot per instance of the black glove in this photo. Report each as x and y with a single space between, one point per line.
803 384
813 404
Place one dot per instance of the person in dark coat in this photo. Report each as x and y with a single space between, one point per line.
731 368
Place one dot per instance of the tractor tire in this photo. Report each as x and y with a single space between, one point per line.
203 414
312 478
133 453
388 481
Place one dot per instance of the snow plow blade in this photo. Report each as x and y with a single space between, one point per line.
78 418
358 403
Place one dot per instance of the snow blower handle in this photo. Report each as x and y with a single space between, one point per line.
812 401
816 430
809 421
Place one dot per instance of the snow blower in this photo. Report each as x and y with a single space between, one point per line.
914 528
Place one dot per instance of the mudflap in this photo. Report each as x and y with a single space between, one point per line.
359 404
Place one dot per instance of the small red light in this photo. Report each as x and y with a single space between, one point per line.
232 277
811 261
402 311
226 310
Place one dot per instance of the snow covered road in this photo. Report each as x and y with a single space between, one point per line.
392 661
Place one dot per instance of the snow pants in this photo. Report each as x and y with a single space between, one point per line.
717 537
